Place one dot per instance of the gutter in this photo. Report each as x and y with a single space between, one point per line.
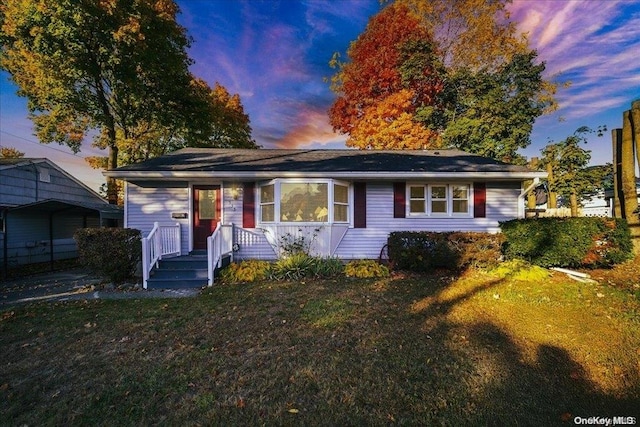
167 175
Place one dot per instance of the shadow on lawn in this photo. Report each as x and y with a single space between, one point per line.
483 363
316 353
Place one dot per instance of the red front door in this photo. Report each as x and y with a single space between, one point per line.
206 213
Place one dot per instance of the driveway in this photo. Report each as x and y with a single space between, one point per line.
73 285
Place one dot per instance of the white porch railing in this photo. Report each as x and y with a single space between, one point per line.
163 240
219 244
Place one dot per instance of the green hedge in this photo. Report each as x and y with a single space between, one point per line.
113 253
425 250
568 242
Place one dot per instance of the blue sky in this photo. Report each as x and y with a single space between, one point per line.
275 54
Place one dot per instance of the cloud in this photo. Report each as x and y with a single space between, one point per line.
592 44
312 129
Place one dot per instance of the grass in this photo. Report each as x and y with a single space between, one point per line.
481 348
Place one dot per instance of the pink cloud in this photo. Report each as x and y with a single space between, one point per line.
313 129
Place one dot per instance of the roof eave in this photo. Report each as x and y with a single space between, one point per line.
377 175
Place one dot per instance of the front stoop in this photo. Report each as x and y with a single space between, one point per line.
187 271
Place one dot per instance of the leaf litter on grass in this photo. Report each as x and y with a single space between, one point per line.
415 349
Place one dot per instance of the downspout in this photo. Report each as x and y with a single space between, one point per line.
5 246
51 239
523 194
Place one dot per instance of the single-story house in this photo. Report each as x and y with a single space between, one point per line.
41 206
343 202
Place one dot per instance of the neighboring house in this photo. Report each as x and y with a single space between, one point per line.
596 205
41 206
345 202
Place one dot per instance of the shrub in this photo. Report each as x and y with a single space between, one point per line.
365 269
113 253
294 244
568 242
425 251
246 271
294 267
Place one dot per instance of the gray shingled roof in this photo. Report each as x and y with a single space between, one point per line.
197 160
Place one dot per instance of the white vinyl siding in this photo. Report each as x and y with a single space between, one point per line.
146 205
501 205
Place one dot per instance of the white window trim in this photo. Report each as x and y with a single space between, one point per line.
330 201
449 200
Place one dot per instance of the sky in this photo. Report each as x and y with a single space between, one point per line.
275 55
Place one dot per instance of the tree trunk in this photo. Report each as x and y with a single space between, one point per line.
573 199
618 195
112 187
629 180
531 197
635 121
552 202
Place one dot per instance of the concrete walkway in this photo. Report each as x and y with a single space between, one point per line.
74 285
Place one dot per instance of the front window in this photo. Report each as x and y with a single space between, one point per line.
267 203
460 197
304 201
340 203
439 199
417 199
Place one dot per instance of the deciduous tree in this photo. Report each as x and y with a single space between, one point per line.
572 178
474 82
492 113
386 61
116 66
10 153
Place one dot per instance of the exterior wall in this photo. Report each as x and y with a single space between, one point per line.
150 202
501 205
231 208
22 185
252 242
145 205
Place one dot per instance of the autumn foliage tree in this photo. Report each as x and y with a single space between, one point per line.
118 68
220 123
471 81
10 153
377 102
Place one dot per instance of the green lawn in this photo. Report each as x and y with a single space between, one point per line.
417 350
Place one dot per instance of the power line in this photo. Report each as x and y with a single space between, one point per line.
39 144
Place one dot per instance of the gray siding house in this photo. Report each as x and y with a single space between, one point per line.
346 202
41 206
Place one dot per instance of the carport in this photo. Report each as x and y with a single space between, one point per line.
61 219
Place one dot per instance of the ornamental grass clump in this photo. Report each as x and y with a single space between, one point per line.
301 265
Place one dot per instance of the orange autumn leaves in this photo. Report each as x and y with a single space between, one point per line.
389 124
377 104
